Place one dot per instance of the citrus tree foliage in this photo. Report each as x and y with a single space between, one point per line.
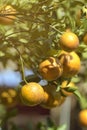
37 28
36 31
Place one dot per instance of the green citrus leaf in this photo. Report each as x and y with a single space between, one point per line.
70 89
84 55
83 102
77 94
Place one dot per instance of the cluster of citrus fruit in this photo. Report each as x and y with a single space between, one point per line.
67 63
64 66
8 97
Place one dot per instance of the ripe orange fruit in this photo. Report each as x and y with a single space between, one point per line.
50 69
64 85
7 15
51 98
70 62
12 92
4 94
83 117
69 41
7 99
32 94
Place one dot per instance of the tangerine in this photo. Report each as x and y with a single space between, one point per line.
83 117
69 41
70 62
50 69
52 98
32 94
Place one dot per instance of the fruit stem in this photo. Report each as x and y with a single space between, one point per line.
22 66
21 60
56 29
